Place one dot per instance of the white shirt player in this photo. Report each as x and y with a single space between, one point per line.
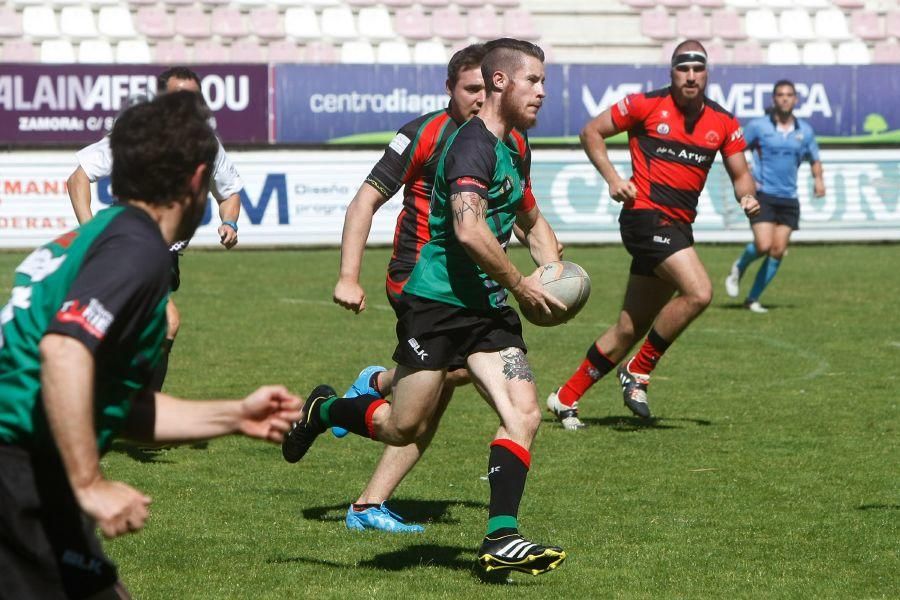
96 161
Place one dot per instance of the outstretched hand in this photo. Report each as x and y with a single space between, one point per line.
268 413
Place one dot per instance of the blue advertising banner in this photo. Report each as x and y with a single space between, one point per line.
321 103
351 103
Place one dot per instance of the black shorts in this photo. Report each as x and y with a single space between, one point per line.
778 210
48 548
176 270
432 335
651 237
397 275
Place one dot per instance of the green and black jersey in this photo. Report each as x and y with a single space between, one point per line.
474 160
104 284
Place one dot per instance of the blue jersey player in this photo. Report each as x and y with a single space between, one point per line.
779 142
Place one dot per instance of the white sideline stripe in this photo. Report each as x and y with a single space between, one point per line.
894 344
821 363
326 303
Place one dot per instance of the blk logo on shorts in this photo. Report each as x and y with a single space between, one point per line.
420 352
661 240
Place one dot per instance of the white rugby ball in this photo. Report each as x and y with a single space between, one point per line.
569 283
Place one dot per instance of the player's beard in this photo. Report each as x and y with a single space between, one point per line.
192 216
514 114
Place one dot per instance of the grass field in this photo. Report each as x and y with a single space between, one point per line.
773 470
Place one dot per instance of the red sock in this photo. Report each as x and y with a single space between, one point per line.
651 351
595 365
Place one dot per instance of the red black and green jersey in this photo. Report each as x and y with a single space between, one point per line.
104 284
671 156
411 160
474 160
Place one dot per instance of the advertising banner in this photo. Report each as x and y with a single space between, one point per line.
364 104
77 104
299 198
347 103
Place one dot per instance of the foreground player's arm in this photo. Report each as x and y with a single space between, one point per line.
67 381
742 180
357 225
265 414
540 237
79 188
468 214
593 141
818 178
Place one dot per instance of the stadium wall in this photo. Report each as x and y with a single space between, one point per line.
299 198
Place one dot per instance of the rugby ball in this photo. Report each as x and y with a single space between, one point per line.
570 284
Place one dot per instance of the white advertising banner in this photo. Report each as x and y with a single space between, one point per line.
299 198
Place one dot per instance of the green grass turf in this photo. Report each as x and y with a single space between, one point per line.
772 471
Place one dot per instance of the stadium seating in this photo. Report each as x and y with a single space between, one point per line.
783 53
624 31
95 51
10 22
413 24
115 22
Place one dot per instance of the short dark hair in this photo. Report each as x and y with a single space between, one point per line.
783 82
505 54
157 145
469 57
177 73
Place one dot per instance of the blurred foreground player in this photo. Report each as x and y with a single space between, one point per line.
674 134
79 340
454 309
95 161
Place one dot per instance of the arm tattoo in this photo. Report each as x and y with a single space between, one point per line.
515 365
468 202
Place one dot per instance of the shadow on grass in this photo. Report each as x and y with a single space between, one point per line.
414 556
740 306
629 424
416 511
147 454
878 507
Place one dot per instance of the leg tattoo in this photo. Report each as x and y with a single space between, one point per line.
515 365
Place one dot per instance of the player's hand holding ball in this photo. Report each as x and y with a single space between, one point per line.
566 285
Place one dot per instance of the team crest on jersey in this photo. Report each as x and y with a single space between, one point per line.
799 136
713 138
663 129
507 185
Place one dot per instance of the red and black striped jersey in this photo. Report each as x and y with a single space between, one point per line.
411 160
671 156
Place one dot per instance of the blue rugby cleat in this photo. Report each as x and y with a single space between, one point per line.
360 387
381 519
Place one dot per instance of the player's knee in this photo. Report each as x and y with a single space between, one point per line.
530 419
763 247
409 432
777 252
701 298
